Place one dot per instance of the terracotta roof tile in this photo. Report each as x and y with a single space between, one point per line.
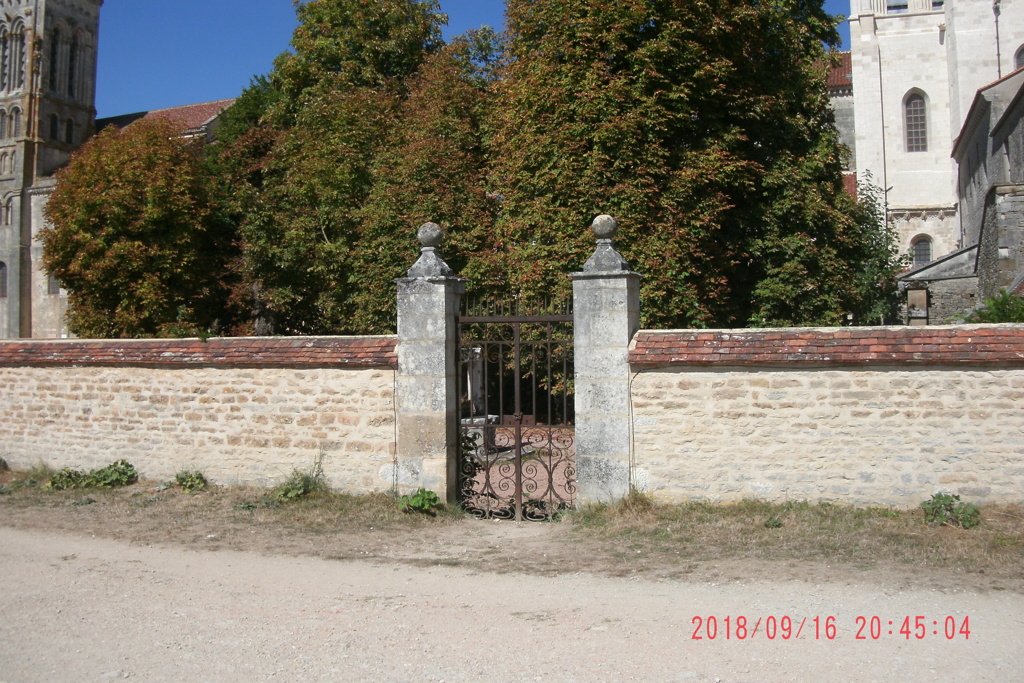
841 74
954 345
850 184
249 352
190 117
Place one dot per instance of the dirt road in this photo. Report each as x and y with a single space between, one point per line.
89 609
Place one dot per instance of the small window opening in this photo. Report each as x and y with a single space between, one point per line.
922 249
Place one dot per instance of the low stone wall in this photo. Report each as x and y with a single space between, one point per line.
861 416
240 410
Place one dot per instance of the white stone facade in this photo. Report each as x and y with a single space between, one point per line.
916 66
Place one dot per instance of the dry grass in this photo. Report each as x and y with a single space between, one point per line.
635 537
812 534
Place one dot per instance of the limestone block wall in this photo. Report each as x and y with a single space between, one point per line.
243 411
862 416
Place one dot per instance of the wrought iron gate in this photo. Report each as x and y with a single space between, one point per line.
518 443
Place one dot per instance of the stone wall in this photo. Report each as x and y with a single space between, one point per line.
240 410
862 416
950 300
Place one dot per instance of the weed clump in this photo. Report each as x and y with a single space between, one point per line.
948 510
299 485
190 481
120 473
423 500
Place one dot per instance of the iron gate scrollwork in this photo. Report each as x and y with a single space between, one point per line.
518 443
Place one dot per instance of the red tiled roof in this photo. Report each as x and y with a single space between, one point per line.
968 344
188 117
306 352
850 184
841 74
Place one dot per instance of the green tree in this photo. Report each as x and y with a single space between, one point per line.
138 236
433 169
303 174
704 127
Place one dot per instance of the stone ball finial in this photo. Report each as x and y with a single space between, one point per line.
605 227
430 235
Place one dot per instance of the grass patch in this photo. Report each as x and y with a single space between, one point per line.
635 537
806 532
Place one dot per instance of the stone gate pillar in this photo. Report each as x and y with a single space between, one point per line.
606 303
426 392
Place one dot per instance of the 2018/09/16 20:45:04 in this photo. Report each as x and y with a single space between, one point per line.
873 628
786 628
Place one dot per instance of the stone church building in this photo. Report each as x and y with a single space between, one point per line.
902 95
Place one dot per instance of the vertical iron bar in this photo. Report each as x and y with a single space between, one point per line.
551 383
518 424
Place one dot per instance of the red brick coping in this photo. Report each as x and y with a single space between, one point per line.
302 352
956 345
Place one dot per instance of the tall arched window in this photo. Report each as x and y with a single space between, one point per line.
916 118
54 127
5 60
3 124
55 39
3 280
1018 61
18 57
922 250
9 211
15 123
73 66
69 131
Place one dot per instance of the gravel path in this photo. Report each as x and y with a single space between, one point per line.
89 609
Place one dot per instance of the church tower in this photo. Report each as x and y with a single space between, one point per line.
47 108
916 66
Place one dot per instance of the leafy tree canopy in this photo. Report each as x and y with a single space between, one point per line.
137 237
704 127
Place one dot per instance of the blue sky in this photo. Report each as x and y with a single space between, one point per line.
163 53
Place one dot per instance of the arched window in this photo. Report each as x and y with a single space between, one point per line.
54 127
5 60
916 117
15 123
17 79
69 131
72 66
55 39
3 163
52 285
922 250
3 124
1018 61
3 280
9 211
